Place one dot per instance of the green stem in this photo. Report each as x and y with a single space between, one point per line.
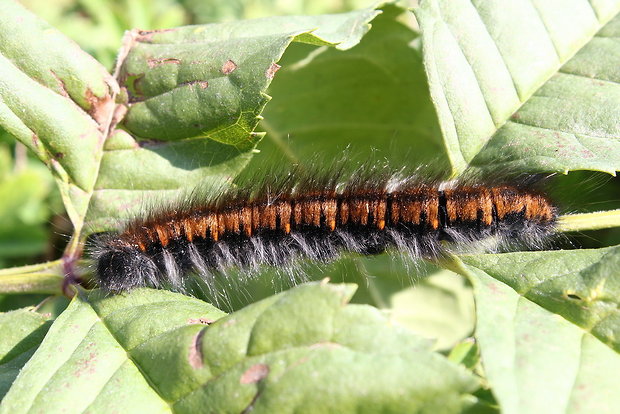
31 283
30 268
38 278
589 221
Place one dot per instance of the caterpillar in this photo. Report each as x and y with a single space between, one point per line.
314 217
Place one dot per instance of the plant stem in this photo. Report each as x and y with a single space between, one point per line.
31 283
38 278
11 271
589 221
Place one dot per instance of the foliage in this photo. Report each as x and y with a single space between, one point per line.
529 87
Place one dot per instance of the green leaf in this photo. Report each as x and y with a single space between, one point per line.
581 285
84 363
192 98
466 352
548 328
56 100
440 306
528 85
151 351
372 99
433 303
22 332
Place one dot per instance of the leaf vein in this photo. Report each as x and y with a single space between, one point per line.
53 373
574 134
564 72
578 367
542 21
95 394
499 52
473 71
524 99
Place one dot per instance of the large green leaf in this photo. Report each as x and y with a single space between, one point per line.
527 85
192 98
83 361
22 332
158 351
548 327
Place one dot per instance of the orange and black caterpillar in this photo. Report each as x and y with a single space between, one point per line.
318 219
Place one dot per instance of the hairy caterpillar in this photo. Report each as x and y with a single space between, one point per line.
318 218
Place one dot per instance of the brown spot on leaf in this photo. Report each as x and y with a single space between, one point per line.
86 365
271 70
229 67
254 374
587 153
201 84
146 143
195 353
100 108
119 113
59 155
202 321
153 63
147 35
494 289
61 85
35 140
